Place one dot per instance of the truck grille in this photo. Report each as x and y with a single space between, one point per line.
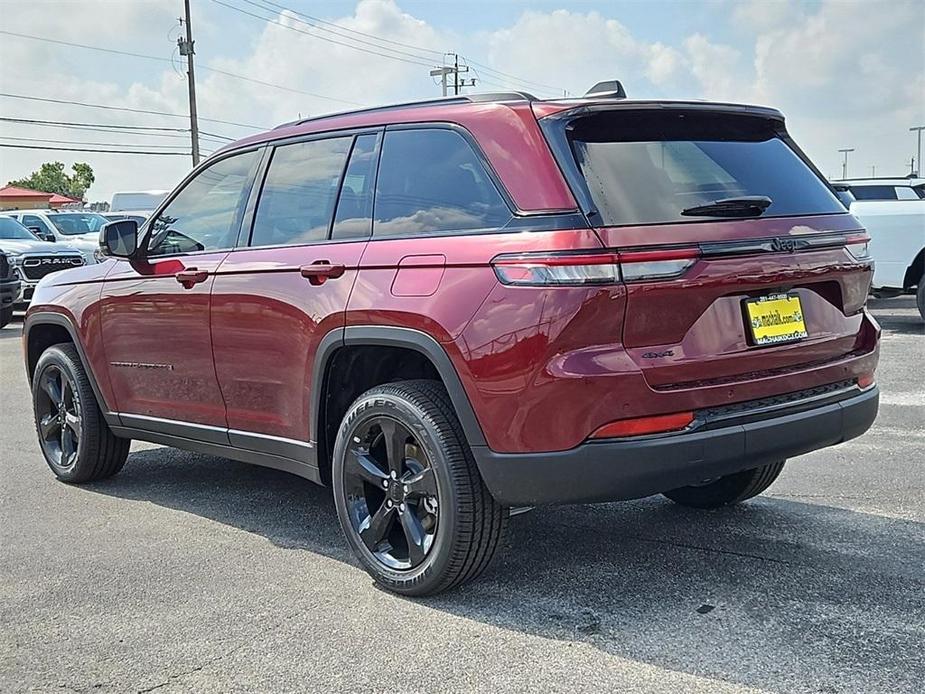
36 267
4 266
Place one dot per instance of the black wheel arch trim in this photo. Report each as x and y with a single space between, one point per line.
52 318
392 336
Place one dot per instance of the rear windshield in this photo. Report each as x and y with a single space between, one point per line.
645 168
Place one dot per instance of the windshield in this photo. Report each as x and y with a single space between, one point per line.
11 229
74 223
645 168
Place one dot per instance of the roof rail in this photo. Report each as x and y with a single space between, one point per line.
486 97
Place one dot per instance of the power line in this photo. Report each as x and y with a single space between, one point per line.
96 151
128 110
416 56
83 142
114 128
486 68
323 38
226 73
354 31
64 123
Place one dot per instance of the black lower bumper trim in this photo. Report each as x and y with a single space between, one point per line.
630 469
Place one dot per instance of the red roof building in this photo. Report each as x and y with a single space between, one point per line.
16 198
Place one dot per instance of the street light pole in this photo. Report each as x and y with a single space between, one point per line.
918 156
844 165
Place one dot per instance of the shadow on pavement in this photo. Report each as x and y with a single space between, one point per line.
898 315
772 594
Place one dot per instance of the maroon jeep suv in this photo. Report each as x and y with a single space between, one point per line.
449 309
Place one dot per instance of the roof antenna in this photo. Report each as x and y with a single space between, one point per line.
610 89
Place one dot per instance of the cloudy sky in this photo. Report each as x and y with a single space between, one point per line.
846 74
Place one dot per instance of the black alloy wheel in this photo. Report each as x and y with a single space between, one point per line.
391 493
408 493
75 439
58 416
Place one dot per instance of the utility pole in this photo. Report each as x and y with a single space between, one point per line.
444 70
918 153
844 165
186 48
873 171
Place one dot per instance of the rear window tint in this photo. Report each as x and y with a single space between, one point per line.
430 180
645 168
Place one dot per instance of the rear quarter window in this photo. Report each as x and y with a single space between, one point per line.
431 180
645 168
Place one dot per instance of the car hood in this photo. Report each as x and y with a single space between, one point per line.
17 246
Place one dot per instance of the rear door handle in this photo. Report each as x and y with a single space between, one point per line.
319 271
191 276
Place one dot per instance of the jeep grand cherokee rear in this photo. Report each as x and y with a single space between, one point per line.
451 308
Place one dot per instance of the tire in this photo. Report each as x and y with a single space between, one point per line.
920 297
728 490
97 453
436 494
6 315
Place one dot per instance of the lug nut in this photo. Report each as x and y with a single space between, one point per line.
393 475
385 483
388 503
401 508
406 488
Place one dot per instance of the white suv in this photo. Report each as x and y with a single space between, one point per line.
79 229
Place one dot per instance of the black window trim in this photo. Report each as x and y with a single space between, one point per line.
246 232
145 237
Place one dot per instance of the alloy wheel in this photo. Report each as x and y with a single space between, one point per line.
58 413
390 489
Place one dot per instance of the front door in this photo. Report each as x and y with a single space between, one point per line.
274 301
155 312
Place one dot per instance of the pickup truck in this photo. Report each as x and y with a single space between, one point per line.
897 245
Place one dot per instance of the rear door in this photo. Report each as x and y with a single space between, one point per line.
287 285
738 259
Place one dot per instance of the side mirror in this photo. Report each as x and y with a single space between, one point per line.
119 239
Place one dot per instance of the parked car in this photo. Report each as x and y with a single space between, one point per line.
445 310
140 216
910 188
897 245
30 259
140 200
10 287
78 228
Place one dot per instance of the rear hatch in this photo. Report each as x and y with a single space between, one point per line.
738 260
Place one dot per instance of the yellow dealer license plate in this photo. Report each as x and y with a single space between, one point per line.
776 318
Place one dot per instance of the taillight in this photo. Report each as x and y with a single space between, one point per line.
858 246
557 269
658 264
571 269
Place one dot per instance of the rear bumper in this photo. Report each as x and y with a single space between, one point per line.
723 443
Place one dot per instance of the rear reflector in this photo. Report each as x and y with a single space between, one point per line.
594 267
865 380
644 425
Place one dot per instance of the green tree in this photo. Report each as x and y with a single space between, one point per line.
52 178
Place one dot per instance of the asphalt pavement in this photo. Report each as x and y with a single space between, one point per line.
192 573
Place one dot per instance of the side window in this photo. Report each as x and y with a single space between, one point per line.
431 180
30 220
354 218
297 201
205 215
904 193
